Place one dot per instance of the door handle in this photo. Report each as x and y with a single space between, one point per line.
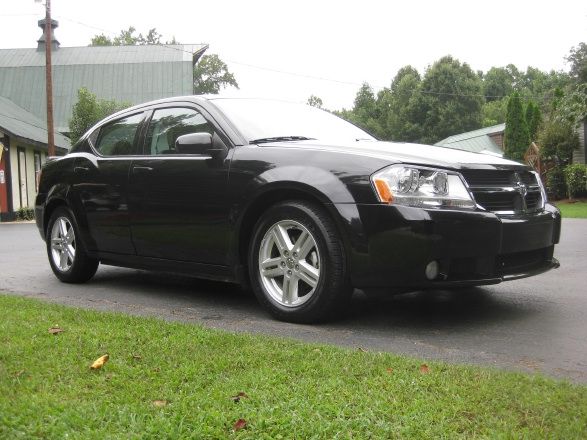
141 170
81 169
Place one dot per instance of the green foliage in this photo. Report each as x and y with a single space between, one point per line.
556 187
88 110
365 112
315 101
572 107
516 136
211 75
101 40
577 58
25 214
450 100
400 108
533 120
128 37
576 180
494 112
499 82
557 141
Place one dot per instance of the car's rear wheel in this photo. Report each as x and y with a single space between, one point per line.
296 263
67 256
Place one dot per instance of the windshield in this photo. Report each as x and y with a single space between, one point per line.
263 120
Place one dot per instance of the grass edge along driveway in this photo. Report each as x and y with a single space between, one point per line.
576 209
174 380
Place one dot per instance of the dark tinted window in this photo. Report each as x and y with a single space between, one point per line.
117 138
168 124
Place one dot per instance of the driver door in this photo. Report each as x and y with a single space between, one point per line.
178 201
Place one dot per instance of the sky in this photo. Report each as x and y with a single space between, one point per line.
293 49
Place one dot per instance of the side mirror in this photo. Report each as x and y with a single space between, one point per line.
194 143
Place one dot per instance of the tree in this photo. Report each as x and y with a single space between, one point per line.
399 106
577 58
128 37
572 107
500 82
315 101
450 100
88 110
494 112
365 112
516 136
533 120
101 40
211 75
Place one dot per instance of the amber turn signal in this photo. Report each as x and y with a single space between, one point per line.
383 191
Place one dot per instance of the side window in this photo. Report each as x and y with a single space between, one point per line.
168 124
117 138
92 138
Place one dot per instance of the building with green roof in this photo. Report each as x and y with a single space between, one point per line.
131 74
484 140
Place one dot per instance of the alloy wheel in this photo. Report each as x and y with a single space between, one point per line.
63 244
289 263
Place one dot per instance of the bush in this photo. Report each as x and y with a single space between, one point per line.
25 214
576 180
556 186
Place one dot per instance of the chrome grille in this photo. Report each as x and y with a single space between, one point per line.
505 191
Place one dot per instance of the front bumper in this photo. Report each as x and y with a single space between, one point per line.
390 246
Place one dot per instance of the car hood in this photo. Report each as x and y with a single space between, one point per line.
399 152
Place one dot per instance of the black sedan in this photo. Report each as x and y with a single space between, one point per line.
291 200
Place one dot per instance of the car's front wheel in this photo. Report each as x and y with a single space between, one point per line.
67 256
296 263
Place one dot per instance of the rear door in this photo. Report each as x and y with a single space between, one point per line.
178 202
100 184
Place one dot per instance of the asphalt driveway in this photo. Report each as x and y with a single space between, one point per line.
536 324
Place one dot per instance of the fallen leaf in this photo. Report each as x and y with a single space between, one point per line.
99 363
239 396
240 424
137 356
160 403
55 330
424 369
390 370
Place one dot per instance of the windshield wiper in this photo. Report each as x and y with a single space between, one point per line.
281 139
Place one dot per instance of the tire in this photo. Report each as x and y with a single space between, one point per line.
297 265
67 255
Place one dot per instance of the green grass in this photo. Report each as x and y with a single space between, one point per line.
573 210
294 390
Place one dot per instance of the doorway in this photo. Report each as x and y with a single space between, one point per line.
22 178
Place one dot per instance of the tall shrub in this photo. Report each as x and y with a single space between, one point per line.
516 136
576 180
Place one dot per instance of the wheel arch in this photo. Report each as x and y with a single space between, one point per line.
272 194
56 197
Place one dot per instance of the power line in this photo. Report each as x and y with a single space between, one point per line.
21 15
318 78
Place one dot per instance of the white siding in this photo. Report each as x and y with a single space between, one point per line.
29 156
579 154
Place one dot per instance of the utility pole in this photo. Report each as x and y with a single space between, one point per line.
49 80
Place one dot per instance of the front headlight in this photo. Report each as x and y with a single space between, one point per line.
421 187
